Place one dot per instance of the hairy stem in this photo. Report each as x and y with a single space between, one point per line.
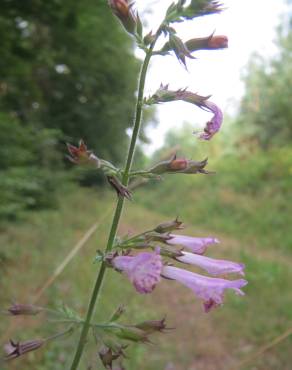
119 208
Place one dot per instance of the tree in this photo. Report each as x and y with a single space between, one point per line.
266 110
61 68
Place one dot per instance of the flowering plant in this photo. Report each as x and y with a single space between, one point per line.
151 256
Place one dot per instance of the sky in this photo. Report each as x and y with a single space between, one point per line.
250 26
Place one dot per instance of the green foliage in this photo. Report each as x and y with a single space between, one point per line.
67 72
266 111
61 66
247 195
30 167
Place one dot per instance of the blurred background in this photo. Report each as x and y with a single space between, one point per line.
69 71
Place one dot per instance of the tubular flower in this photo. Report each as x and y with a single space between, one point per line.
163 95
213 126
195 245
210 290
212 42
143 270
211 265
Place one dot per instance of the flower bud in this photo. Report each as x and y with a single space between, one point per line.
14 350
166 227
24 309
180 165
207 43
123 10
149 38
118 313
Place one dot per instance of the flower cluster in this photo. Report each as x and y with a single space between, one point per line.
145 269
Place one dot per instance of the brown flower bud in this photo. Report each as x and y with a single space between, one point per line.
207 43
218 42
178 164
14 350
123 9
24 309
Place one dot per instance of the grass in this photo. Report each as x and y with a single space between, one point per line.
30 252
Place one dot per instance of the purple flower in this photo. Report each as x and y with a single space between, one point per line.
163 94
196 245
214 124
143 270
211 290
211 265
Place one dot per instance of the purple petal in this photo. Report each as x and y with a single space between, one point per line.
214 124
211 265
211 290
143 270
196 245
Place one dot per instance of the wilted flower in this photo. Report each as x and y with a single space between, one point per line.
211 290
196 245
211 265
81 155
17 349
123 9
143 270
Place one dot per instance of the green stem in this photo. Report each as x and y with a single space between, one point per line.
119 208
